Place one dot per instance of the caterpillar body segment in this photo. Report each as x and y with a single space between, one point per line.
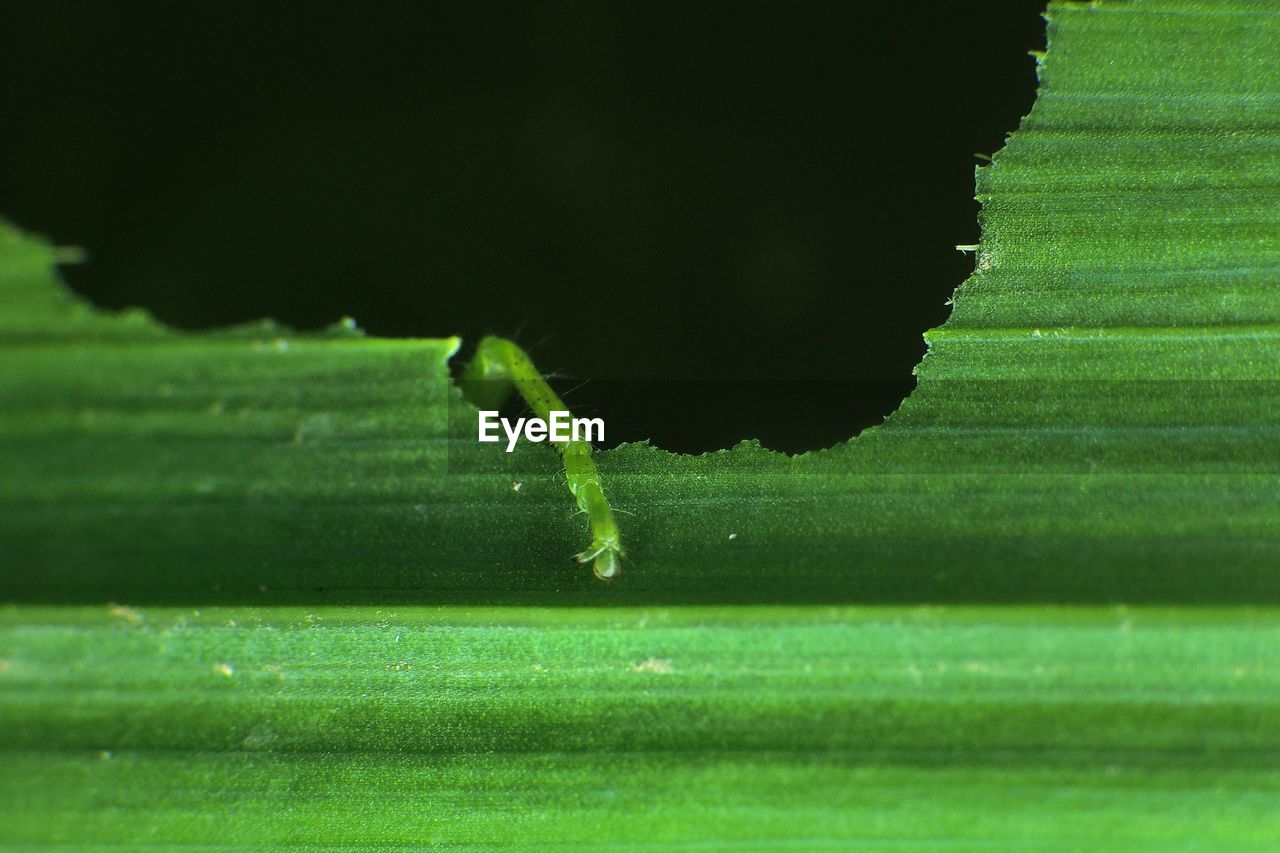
500 364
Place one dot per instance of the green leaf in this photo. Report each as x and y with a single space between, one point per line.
1095 423
639 727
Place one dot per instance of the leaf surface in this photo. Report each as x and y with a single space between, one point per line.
329 620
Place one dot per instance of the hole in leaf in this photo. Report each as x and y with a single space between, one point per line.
737 225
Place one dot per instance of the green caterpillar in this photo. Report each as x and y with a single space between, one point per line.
499 364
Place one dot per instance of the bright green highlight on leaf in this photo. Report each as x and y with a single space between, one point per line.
499 364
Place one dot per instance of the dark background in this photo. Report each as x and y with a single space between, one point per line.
653 196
